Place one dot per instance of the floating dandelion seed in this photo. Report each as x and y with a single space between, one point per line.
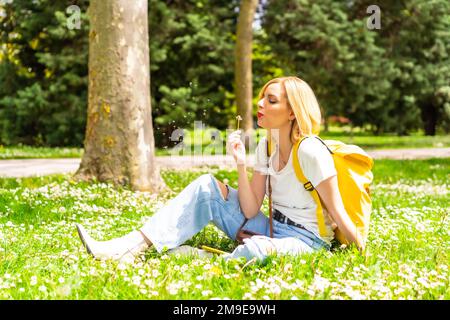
238 118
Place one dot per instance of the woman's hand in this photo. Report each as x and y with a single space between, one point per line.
236 147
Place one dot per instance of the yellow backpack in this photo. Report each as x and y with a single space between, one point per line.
354 174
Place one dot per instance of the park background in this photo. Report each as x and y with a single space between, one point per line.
386 88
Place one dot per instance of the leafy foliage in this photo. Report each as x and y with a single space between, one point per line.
192 63
44 71
395 79
388 78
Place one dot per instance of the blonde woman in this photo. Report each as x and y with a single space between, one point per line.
288 108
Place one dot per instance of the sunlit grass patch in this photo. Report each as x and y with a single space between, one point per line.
196 141
42 257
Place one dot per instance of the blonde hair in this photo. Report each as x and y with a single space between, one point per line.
303 102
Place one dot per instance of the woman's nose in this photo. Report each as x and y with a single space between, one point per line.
260 103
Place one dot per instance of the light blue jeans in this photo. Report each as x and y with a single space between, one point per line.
202 202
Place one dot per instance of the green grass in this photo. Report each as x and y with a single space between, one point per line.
412 171
202 141
28 152
360 138
392 142
41 256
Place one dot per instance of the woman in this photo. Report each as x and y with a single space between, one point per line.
288 108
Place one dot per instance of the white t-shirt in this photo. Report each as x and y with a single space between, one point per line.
288 194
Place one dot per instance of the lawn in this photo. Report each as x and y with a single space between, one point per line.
201 140
41 256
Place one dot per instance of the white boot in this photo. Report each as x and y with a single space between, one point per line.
124 249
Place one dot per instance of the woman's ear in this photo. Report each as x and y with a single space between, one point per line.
291 115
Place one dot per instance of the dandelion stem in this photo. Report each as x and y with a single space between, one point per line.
238 118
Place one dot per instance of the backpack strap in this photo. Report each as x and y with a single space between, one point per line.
309 187
269 151
323 142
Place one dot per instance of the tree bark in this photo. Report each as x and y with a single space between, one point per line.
119 143
243 64
430 118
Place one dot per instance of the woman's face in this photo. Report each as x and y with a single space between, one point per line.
273 109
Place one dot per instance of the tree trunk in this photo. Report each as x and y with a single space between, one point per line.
119 143
243 64
429 117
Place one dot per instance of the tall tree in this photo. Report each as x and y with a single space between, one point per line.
243 63
192 54
43 73
119 144
335 54
423 61
44 69
394 79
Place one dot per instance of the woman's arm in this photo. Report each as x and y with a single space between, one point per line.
251 194
329 194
